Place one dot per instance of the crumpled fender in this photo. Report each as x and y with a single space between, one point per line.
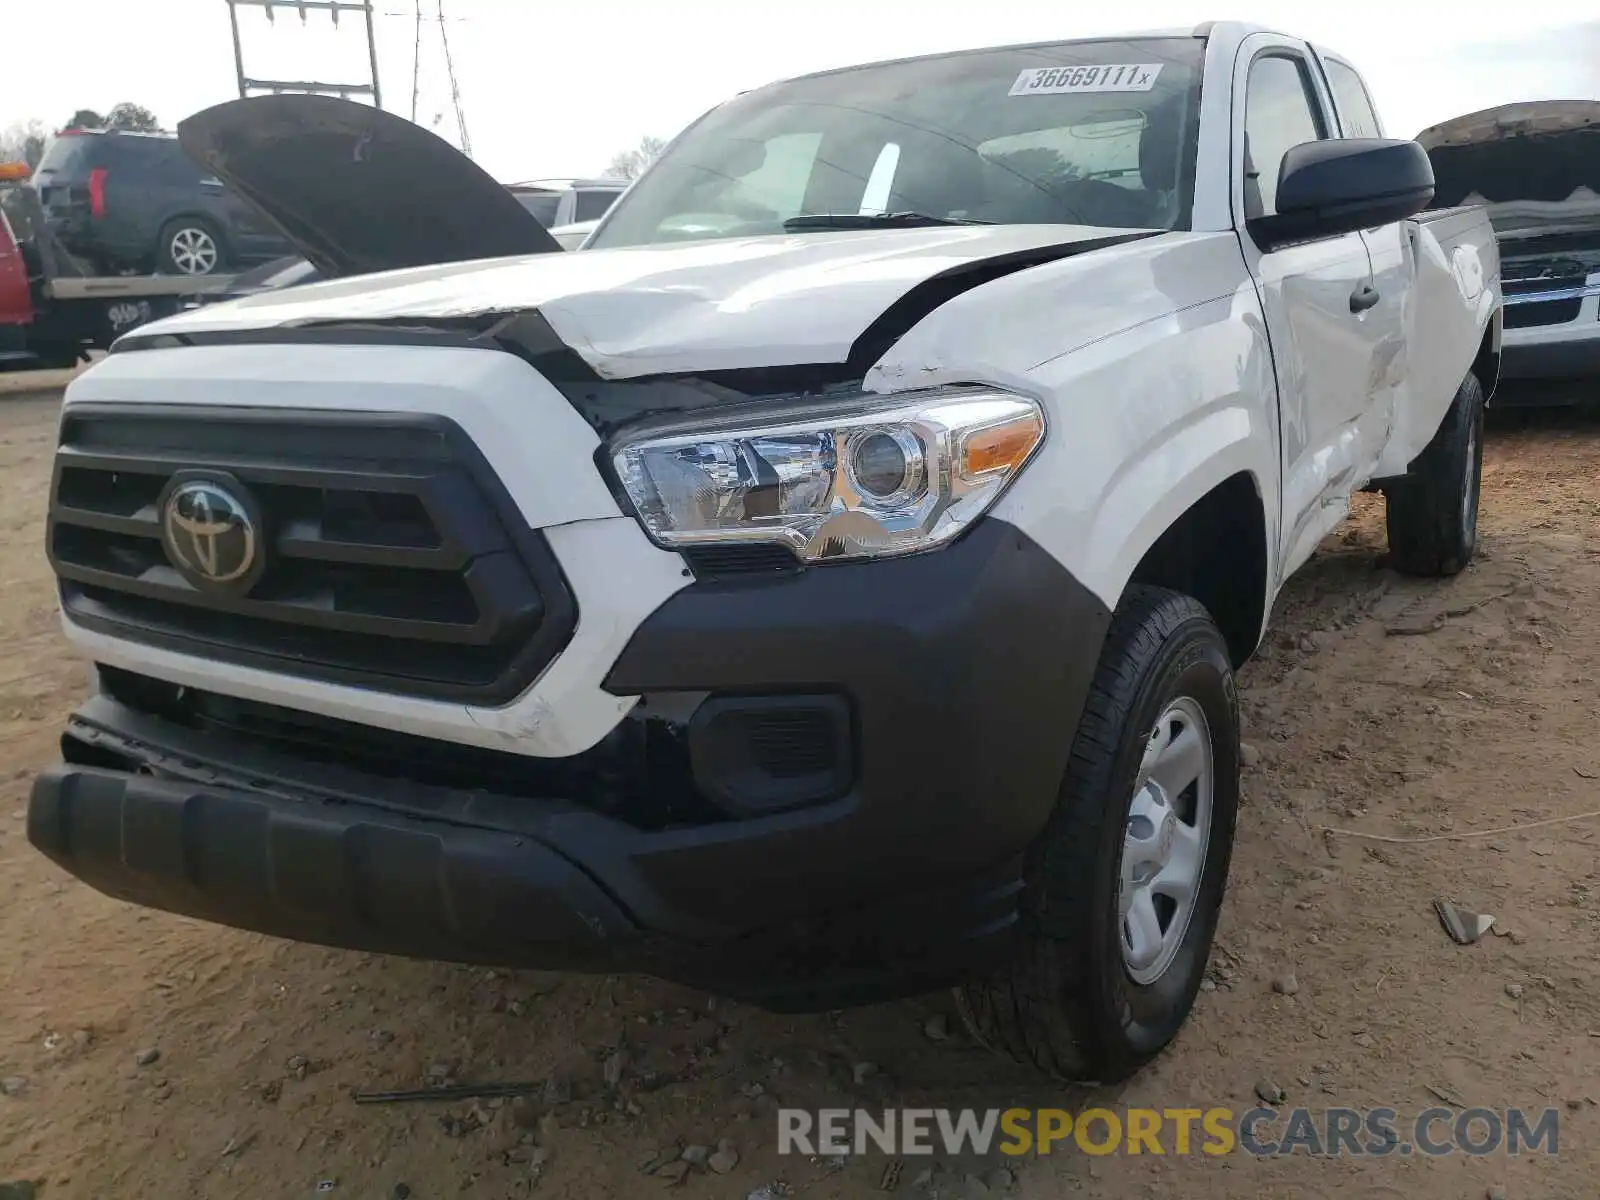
1152 363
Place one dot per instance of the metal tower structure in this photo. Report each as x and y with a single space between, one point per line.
249 86
464 140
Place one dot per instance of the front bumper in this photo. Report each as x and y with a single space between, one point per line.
1571 358
966 672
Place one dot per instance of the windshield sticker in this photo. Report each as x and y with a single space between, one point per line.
1110 77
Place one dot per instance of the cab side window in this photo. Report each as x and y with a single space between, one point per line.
1356 117
591 205
1281 111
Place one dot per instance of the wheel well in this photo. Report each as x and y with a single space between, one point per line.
194 218
1217 553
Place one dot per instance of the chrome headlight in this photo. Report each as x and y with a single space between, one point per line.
876 476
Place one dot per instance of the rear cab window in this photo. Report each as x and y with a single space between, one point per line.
591 204
1357 118
543 205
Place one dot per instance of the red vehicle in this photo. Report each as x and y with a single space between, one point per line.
16 303
52 314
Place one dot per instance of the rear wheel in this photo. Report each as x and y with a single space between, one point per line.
190 246
1432 510
1124 887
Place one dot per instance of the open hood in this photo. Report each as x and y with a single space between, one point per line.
357 189
1535 166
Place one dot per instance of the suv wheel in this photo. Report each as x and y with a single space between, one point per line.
189 246
1124 887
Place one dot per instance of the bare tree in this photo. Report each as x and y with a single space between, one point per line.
23 142
630 164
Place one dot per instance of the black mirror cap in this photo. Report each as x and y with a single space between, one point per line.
1341 185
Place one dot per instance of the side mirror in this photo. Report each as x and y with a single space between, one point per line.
1341 185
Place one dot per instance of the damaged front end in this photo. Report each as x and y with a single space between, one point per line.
1536 168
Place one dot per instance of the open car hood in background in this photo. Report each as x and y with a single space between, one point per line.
357 189
1535 166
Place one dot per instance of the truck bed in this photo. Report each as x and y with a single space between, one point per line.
1456 271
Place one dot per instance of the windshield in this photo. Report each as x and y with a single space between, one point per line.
1085 133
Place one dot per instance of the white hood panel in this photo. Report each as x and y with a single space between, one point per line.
636 311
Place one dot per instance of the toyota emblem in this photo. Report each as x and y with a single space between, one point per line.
211 532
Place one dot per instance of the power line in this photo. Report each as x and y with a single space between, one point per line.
416 63
455 90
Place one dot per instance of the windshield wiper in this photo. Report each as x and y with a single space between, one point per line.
902 220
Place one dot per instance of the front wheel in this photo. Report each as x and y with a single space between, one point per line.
1432 510
1125 885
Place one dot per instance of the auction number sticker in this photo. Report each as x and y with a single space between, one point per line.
1107 77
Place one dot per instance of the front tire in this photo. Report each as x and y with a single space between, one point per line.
190 246
1124 887
1432 510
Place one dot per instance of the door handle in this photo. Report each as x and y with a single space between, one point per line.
1364 297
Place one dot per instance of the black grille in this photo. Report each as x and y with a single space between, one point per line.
767 753
795 742
395 558
639 773
754 559
1542 312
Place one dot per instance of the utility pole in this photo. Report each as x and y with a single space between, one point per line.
250 86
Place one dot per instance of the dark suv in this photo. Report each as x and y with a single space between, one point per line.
135 201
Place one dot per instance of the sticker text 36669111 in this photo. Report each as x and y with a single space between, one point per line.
1106 77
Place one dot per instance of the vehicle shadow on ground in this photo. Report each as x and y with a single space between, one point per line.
1565 405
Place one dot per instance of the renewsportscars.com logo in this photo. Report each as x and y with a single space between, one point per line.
1261 1132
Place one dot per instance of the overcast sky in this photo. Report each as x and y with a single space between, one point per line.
557 89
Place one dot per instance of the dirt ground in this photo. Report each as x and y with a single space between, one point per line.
1379 705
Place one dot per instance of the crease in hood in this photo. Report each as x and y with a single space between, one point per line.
722 305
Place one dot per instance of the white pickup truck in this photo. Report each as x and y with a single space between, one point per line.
1535 170
827 585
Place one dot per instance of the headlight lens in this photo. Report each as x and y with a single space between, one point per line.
883 475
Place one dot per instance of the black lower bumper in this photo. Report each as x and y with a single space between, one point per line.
966 671
321 872
1552 361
